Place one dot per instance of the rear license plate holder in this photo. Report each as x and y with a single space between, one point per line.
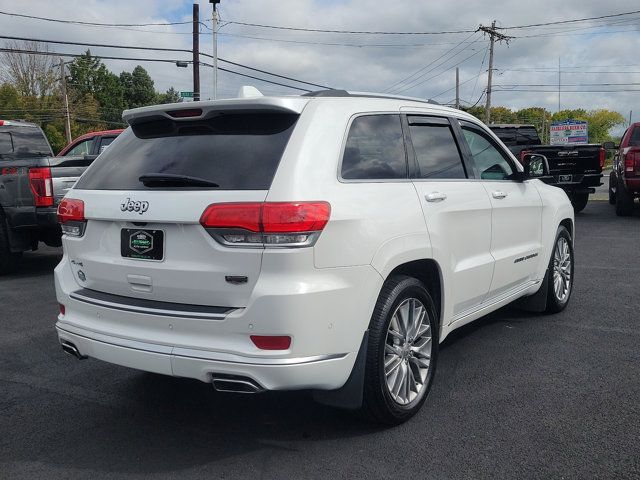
565 178
142 244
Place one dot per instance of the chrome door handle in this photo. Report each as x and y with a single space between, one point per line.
435 197
499 195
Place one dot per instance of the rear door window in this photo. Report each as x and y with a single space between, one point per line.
436 150
23 141
375 149
237 151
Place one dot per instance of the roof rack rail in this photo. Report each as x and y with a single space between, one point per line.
345 93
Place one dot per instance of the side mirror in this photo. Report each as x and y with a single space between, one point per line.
609 146
535 165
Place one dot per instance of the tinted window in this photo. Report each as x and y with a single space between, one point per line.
236 151
436 151
635 137
491 162
18 142
375 149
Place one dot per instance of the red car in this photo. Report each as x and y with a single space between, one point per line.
624 181
92 143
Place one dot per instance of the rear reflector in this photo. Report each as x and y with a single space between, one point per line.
271 342
71 217
41 186
283 224
62 309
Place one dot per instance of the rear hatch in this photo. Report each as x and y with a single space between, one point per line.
143 237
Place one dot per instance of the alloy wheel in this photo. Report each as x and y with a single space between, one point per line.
562 269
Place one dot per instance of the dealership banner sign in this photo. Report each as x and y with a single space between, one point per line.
569 131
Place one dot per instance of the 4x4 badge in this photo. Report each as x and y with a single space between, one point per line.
134 206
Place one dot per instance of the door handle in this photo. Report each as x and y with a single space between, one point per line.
498 195
435 197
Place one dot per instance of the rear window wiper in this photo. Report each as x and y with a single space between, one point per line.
173 180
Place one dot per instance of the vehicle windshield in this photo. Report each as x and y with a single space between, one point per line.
237 151
22 141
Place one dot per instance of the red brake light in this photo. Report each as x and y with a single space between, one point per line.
632 161
192 112
271 342
269 223
233 215
41 186
71 210
62 309
603 156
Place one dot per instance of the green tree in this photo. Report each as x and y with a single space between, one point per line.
170 96
55 136
88 75
138 88
10 102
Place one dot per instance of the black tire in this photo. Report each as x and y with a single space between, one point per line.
378 402
612 193
554 303
624 200
579 201
8 259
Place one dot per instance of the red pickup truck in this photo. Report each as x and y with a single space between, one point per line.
624 180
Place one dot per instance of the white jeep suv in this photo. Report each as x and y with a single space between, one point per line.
327 241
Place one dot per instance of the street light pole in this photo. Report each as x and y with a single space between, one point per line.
214 27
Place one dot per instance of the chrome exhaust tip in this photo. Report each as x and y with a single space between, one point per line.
70 349
235 384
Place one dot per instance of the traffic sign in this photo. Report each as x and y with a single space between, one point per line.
186 94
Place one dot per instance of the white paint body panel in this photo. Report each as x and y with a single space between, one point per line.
322 296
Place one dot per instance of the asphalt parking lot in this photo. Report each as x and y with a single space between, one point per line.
516 395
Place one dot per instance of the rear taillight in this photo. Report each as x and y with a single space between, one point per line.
61 308
271 342
603 156
41 186
632 161
275 224
71 217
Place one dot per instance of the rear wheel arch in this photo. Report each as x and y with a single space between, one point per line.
568 224
430 274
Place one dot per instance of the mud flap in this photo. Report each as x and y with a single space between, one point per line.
538 301
349 396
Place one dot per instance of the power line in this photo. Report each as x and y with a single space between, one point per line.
78 22
356 32
159 49
395 85
568 21
75 55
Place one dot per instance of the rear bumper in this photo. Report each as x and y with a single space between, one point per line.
324 311
632 185
323 372
580 183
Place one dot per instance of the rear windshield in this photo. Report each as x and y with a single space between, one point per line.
518 135
237 151
18 142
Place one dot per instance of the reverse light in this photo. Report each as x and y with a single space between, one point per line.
266 224
271 342
41 185
71 217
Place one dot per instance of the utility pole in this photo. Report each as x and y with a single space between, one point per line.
630 114
559 82
493 36
457 88
65 100
214 26
196 52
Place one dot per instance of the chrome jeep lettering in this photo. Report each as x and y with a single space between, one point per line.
134 206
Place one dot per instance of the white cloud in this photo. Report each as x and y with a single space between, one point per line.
371 69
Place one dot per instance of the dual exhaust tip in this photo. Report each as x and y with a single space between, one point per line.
221 382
